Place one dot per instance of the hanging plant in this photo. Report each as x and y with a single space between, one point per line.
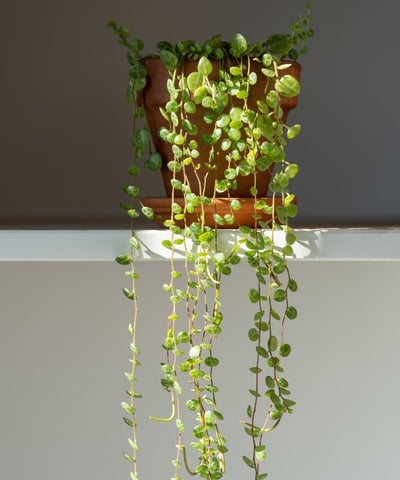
218 125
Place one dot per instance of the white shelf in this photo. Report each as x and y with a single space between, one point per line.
105 245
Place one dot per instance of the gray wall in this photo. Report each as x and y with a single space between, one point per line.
64 348
65 127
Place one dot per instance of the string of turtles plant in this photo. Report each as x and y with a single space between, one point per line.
253 140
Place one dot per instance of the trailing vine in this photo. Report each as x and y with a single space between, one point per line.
250 138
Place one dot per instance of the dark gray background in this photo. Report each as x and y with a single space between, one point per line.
65 127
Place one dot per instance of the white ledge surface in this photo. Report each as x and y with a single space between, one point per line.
105 245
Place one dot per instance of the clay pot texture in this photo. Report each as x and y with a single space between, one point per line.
155 95
221 206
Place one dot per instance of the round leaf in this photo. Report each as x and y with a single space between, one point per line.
279 44
154 161
194 81
280 295
204 66
293 131
253 334
169 59
123 260
284 350
238 45
288 86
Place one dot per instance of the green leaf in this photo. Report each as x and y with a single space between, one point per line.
194 81
219 258
166 243
272 343
253 334
282 382
249 411
112 24
212 389
244 229
263 107
235 113
230 173
263 163
290 238
288 86
197 373
134 348
204 66
163 45
273 362
194 352
267 59
291 170
211 361
223 120
199 431
137 71
137 44
193 405
182 337
284 350
179 425
279 44
218 415
235 259
199 94
238 45
134 242
263 326
123 260
291 210
128 421
128 293
292 285
293 131
236 205
133 170
148 213
253 78
169 59
226 144
270 382
128 408
262 352
280 295
253 191
128 457
131 190
212 329
254 296
248 462
206 237
255 370
261 455
291 313
154 161
189 107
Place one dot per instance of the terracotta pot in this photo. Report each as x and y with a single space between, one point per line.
155 95
221 206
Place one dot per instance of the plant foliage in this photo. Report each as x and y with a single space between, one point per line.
253 140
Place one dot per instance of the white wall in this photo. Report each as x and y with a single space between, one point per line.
64 348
